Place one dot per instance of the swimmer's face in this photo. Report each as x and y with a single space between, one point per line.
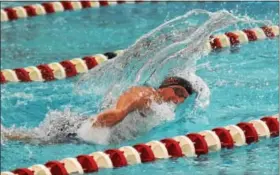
175 94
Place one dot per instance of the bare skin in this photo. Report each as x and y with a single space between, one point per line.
135 98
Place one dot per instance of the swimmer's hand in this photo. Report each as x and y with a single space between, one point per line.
109 118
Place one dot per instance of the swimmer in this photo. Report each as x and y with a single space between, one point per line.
172 89
138 98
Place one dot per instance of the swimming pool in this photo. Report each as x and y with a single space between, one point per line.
243 83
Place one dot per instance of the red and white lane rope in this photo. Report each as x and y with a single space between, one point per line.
237 37
73 67
14 13
55 70
190 145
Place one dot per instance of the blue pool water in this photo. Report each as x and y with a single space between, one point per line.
243 82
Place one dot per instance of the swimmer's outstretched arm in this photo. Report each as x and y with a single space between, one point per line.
17 136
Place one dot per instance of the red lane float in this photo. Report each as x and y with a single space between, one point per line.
90 62
22 74
249 131
23 171
85 4
273 125
200 143
117 157
225 137
3 79
14 13
233 38
46 71
69 68
49 8
173 147
56 168
268 32
67 5
30 10
243 133
88 163
11 13
73 67
145 152
215 43
251 35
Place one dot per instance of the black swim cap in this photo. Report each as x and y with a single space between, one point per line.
171 81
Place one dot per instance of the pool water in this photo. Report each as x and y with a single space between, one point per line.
243 82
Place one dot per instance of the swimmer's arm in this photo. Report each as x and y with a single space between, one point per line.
124 106
109 118
112 117
17 136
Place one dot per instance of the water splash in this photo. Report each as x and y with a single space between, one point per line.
57 127
94 135
173 48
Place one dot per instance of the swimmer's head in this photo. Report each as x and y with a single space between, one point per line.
175 89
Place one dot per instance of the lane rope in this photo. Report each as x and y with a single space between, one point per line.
73 67
15 13
190 145
56 70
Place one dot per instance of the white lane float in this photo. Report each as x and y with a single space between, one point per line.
259 33
102 159
212 140
40 169
237 135
58 70
242 37
72 166
186 145
131 155
80 65
158 149
261 128
10 75
34 73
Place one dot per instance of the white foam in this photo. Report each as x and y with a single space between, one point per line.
94 135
